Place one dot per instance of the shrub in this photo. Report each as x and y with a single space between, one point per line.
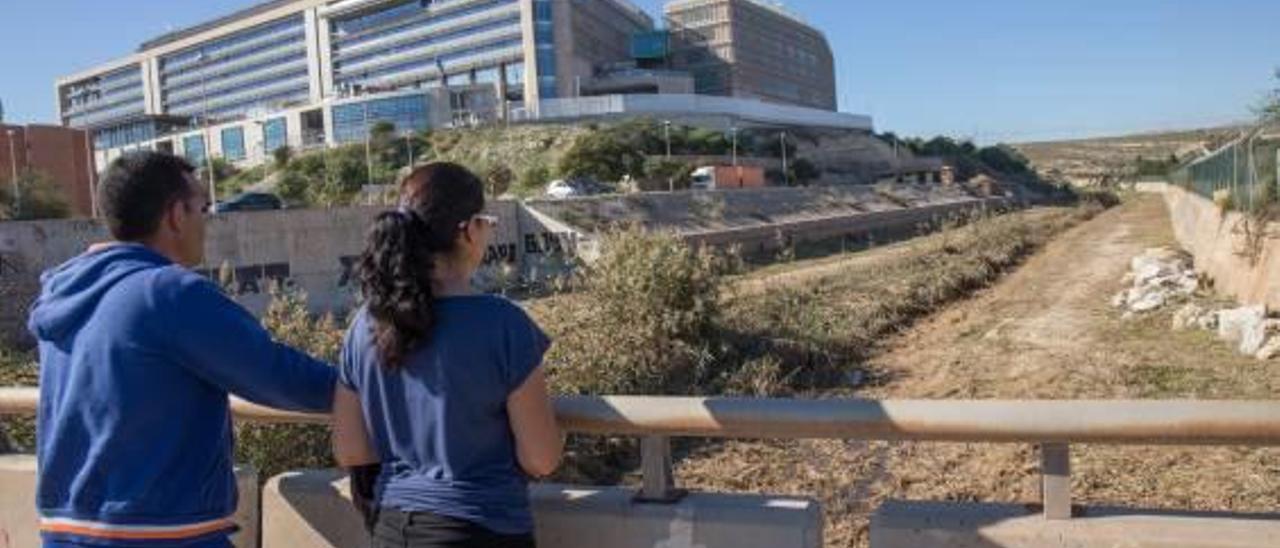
282 155
17 369
651 301
40 198
273 449
663 174
498 181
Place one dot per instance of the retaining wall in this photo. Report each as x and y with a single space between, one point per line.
315 250
1250 273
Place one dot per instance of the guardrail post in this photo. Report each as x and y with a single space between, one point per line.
655 466
1055 480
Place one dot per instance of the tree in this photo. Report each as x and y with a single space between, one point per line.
607 156
40 198
804 172
663 174
282 155
1270 110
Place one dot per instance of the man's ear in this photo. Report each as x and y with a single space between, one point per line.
175 216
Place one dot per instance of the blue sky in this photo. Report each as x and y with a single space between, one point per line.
989 69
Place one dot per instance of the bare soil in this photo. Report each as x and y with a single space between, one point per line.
1045 331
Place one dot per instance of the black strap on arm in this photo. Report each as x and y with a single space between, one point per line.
363 481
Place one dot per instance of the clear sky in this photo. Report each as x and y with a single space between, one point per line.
988 69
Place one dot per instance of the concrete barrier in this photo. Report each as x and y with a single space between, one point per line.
898 524
19 521
1248 271
312 508
314 250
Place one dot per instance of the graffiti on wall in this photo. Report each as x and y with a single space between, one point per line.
500 254
10 265
551 243
252 280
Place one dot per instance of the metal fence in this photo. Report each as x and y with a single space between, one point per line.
1243 172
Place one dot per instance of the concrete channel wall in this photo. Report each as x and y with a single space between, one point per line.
1242 266
315 250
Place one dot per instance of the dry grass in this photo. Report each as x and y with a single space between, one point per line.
1045 331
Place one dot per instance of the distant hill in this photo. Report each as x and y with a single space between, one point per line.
1085 161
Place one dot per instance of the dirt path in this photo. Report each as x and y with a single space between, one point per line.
1046 331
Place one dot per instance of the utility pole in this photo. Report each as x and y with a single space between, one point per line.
666 131
13 163
205 136
786 177
368 151
734 131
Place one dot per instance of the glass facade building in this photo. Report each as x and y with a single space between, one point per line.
262 67
193 149
112 96
353 121
296 72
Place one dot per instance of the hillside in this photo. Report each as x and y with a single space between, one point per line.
1087 161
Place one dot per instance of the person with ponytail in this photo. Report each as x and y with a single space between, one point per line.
442 412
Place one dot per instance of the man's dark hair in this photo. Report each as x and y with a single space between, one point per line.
138 188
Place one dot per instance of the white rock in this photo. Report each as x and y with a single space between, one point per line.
1269 350
1187 317
1148 301
1257 335
1233 323
1208 322
1120 299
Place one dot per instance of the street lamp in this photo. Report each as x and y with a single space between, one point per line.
368 150
734 130
666 131
786 177
13 163
203 61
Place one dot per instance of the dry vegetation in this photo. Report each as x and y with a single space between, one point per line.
1088 161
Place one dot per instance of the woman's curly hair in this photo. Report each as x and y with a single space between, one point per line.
396 267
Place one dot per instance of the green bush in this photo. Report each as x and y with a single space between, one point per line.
17 369
40 198
663 174
273 449
643 321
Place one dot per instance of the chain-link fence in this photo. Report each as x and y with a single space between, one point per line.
1243 172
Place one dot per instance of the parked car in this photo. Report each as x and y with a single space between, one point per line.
249 201
572 188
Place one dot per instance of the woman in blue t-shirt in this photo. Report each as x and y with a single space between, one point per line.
442 388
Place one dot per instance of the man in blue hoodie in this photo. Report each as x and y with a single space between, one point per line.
137 357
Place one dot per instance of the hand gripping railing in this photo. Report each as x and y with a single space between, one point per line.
1053 425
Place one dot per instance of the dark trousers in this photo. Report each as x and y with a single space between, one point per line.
396 529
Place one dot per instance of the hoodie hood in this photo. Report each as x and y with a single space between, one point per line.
71 292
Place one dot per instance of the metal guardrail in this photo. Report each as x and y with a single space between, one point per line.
1053 424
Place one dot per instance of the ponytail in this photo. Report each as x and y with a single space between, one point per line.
395 278
395 270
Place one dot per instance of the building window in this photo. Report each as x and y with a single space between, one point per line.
233 143
353 121
193 149
542 11
275 135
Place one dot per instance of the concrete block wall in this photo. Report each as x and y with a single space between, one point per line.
1221 248
313 508
314 250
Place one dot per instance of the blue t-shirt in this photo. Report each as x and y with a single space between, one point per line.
439 422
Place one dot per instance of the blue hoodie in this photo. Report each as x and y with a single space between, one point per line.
134 438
